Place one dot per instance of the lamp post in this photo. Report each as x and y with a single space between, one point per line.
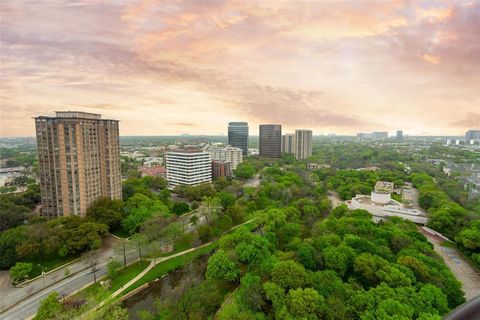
43 274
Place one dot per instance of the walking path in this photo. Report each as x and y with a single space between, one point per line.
153 263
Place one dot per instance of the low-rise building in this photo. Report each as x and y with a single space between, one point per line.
154 171
316 166
380 204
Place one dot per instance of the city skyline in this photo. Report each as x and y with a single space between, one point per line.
193 67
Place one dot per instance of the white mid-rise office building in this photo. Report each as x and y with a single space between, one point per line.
226 154
188 166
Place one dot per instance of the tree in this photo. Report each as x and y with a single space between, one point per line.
194 220
205 233
306 256
174 231
141 208
50 307
112 312
244 171
276 295
220 266
469 238
112 266
226 199
155 183
180 208
305 303
250 292
83 236
338 258
92 261
107 211
208 299
154 228
289 275
14 209
9 240
20 271
210 209
121 248
430 299
138 241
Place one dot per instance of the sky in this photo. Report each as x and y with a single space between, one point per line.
173 67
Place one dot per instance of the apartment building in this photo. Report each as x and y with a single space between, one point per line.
79 161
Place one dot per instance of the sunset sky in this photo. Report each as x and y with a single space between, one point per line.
168 67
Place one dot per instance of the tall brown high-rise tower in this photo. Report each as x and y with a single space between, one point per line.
79 161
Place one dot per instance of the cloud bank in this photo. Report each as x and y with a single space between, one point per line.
168 67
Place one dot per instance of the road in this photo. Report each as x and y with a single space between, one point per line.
28 307
334 199
456 262
12 295
461 268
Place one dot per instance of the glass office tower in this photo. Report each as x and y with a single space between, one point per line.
270 140
238 136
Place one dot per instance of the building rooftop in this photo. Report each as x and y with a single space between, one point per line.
186 150
385 186
75 115
392 206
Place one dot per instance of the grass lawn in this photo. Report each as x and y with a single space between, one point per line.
165 267
122 277
48 265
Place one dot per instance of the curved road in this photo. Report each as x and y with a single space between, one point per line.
28 307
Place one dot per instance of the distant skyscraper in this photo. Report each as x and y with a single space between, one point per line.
399 134
472 135
270 140
303 144
188 166
288 143
379 135
238 136
79 161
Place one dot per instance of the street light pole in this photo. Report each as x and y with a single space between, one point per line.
43 274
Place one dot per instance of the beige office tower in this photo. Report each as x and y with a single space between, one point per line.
303 144
79 161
